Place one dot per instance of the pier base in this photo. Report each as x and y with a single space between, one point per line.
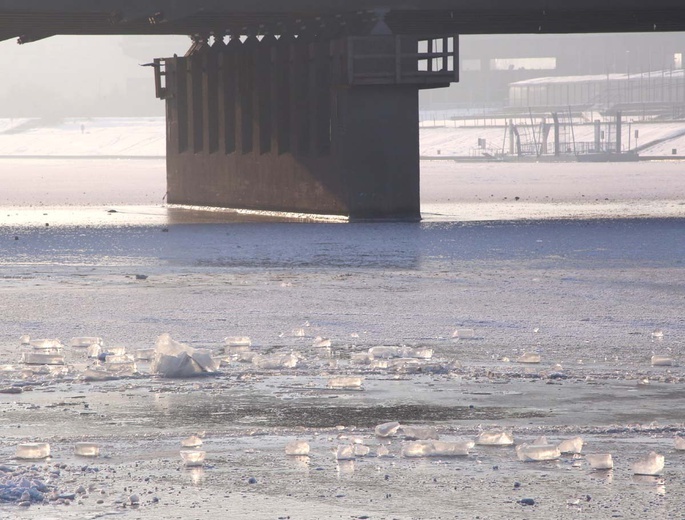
315 127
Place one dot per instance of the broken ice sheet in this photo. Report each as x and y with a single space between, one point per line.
573 445
382 451
416 449
451 448
387 429
437 448
174 359
348 383
321 342
86 449
360 358
94 350
662 361
238 341
651 464
193 458
600 460
495 438
361 451
144 354
533 453
385 352
86 341
191 442
420 432
33 451
275 361
345 452
47 344
679 443
464 334
297 448
529 357
39 358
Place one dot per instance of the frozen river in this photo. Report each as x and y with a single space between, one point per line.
583 269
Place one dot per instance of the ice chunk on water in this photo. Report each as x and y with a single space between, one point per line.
98 374
657 334
533 453
451 448
191 442
94 351
299 333
348 383
233 350
25 339
382 451
573 445
495 438
387 429
437 448
464 334
360 358
33 450
529 357
174 359
247 356
85 341
423 353
120 365
297 448
540 441
679 442
345 452
114 351
404 364
662 361
651 464
86 449
275 361
113 359
420 432
324 353
144 354
385 352
361 451
379 364
417 449
600 460
193 458
238 341
39 358
321 342
47 344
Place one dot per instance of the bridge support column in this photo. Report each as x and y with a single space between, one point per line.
287 125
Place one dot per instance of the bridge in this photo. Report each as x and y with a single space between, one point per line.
311 106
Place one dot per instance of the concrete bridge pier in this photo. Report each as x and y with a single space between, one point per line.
287 124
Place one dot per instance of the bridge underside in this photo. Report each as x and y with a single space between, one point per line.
30 20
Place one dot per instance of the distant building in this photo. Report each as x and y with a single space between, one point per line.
488 64
658 91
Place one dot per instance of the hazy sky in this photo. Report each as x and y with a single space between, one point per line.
81 72
100 75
